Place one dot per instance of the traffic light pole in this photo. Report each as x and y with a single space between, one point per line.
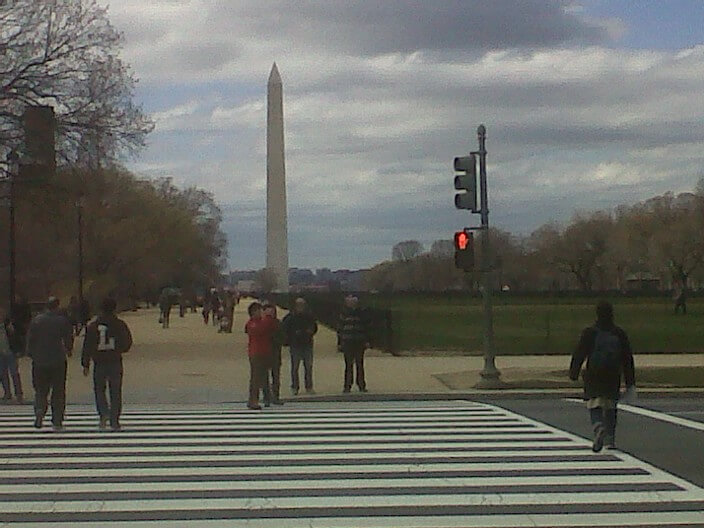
490 375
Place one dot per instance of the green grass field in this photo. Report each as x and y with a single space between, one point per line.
538 325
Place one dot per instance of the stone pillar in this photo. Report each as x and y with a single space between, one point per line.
276 228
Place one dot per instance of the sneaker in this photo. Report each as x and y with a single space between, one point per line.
609 442
116 427
599 433
277 402
267 404
254 407
38 422
103 424
58 428
363 389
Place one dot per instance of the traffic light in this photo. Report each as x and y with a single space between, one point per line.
464 250
466 180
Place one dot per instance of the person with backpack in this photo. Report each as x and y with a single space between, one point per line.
107 338
607 351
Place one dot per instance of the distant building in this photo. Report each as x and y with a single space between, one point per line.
642 281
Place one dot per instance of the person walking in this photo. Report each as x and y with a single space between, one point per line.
299 327
165 303
273 387
107 338
680 298
21 316
9 371
607 351
49 343
259 330
352 340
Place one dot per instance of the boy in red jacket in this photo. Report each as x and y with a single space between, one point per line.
260 331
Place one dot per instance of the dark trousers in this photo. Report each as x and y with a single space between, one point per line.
258 378
108 375
354 358
302 353
606 417
9 371
50 379
272 389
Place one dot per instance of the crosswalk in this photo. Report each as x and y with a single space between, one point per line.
454 464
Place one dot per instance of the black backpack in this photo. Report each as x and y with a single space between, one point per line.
606 355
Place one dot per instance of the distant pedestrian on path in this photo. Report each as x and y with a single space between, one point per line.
680 298
107 338
9 350
49 343
165 303
299 327
352 340
259 331
273 371
607 352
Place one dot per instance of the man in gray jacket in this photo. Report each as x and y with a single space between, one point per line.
49 343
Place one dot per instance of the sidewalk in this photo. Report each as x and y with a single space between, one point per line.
192 363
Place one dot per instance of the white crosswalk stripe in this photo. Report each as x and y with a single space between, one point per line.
457 464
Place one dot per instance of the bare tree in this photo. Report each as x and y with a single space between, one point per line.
64 53
407 250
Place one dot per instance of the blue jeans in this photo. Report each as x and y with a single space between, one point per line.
108 375
302 353
9 369
606 417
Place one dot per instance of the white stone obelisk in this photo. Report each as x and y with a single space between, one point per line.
276 228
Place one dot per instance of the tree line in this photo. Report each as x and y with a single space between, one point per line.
659 241
138 236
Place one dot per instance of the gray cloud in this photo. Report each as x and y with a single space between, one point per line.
404 26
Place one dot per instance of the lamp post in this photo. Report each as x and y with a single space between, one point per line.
12 160
79 209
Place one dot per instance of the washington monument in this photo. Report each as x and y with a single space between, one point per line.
276 229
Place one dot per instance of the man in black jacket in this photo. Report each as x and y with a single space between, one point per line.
352 340
49 343
299 327
607 351
107 338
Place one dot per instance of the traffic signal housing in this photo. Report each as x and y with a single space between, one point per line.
464 250
466 180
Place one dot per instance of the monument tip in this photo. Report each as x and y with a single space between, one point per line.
274 77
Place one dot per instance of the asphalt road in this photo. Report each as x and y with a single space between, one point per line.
672 447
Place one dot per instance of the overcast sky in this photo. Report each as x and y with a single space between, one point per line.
587 105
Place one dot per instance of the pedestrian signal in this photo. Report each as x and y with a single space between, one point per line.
464 250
